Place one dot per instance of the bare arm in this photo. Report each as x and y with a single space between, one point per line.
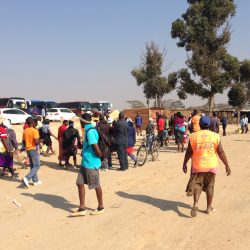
97 150
5 144
223 158
188 155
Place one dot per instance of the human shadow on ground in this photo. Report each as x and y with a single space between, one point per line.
55 165
164 205
242 140
53 200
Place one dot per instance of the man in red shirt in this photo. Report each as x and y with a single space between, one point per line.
160 127
61 131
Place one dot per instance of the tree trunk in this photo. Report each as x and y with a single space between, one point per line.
238 116
211 104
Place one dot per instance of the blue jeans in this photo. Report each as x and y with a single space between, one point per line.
34 158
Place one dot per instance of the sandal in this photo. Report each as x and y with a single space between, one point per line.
194 211
210 211
98 211
79 212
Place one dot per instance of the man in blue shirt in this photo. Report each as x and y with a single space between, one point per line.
89 171
138 124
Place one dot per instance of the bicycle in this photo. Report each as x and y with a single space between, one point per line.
148 146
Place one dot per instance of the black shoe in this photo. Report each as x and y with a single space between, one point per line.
121 169
135 164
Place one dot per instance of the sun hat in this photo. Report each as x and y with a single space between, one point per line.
86 117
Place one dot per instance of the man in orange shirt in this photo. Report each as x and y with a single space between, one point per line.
31 142
195 122
203 148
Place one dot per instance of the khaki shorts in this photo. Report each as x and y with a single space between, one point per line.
89 177
201 181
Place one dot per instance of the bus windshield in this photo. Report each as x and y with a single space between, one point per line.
85 106
51 105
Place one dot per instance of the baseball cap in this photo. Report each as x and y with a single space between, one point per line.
205 122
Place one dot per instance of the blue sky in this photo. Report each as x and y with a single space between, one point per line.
85 50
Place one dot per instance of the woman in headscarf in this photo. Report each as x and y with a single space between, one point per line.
8 145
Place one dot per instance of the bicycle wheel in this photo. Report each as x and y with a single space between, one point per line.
142 154
155 151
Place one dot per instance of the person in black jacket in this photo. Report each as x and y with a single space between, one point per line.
121 138
71 141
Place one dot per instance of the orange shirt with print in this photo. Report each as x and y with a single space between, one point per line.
204 145
196 123
29 136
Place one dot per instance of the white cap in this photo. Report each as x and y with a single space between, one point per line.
89 112
6 123
110 120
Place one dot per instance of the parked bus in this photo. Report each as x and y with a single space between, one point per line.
51 104
13 102
102 106
77 107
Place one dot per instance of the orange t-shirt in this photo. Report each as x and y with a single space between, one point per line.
29 136
196 123
204 144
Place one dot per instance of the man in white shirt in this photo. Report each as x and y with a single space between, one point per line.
246 123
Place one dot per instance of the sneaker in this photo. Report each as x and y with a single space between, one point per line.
26 182
36 183
135 163
98 211
79 212
74 167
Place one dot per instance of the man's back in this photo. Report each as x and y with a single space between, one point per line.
204 144
138 120
195 123
215 124
121 132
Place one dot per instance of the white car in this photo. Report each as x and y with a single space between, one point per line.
14 115
59 114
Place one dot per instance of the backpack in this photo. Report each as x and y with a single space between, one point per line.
103 142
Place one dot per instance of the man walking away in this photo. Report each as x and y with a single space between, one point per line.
31 142
195 122
203 148
121 138
71 142
89 171
215 123
224 125
138 124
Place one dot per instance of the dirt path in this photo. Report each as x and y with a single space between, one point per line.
146 208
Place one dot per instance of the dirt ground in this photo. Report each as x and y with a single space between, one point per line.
146 207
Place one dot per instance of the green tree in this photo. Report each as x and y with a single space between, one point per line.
204 32
149 74
239 93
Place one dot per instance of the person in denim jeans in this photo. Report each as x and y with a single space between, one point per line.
31 142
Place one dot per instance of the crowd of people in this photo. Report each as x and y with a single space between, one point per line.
97 142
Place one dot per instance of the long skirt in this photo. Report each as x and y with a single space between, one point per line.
61 151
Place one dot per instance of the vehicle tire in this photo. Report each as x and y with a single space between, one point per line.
155 151
142 154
